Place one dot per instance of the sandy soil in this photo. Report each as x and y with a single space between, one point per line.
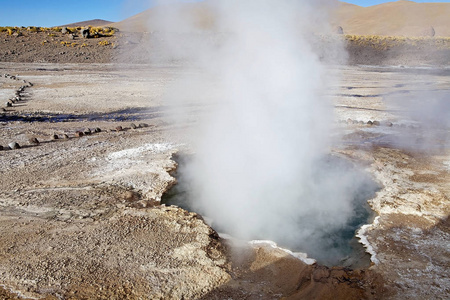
80 216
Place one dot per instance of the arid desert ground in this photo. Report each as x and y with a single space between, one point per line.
93 146
80 215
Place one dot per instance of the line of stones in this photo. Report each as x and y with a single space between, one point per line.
19 92
377 123
88 131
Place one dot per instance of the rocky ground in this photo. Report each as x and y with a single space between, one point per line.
80 213
142 47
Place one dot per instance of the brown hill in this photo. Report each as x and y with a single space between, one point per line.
95 23
400 18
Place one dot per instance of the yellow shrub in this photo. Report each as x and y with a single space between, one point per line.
103 43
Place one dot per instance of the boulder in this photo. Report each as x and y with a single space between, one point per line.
86 33
64 30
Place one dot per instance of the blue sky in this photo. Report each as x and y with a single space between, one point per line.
47 13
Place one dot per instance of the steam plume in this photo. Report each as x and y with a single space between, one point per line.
261 168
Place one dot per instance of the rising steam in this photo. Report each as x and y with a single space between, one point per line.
261 168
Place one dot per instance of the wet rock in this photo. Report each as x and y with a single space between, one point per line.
79 134
14 145
133 126
321 274
34 141
119 128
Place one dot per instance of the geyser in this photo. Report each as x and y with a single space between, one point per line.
313 229
262 167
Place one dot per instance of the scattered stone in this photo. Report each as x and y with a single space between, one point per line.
14 145
65 136
55 137
64 30
143 125
369 123
389 124
8 104
130 196
79 134
133 126
119 128
3 110
1 147
34 141
97 130
87 131
376 123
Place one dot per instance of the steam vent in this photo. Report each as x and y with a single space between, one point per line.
225 149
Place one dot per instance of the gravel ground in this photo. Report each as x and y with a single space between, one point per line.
81 219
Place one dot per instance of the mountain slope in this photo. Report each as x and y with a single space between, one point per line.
393 18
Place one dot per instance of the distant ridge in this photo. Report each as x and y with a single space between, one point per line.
95 23
399 18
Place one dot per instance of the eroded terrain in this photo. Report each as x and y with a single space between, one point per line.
80 215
